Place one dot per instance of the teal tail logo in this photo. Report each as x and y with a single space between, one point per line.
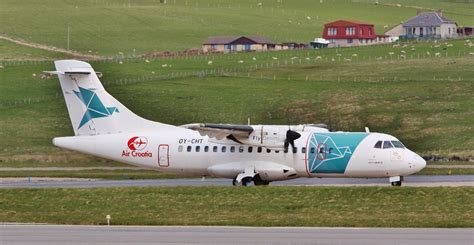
95 107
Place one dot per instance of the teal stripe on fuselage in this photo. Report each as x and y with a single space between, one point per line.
331 152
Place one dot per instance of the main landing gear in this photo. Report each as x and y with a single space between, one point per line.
396 180
247 181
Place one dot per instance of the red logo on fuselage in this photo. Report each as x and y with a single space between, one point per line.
136 145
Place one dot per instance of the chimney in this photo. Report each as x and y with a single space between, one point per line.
440 12
418 11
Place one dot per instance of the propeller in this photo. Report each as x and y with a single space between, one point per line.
291 136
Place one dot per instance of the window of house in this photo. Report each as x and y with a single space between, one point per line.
214 148
259 149
250 149
198 148
214 46
224 149
206 148
332 31
349 40
378 144
189 148
350 31
232 149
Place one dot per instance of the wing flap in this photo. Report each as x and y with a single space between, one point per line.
220 131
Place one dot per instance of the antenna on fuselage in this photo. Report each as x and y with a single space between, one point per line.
367 130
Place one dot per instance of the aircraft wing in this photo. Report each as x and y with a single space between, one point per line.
221 131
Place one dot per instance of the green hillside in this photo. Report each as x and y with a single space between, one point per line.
107 27
424 99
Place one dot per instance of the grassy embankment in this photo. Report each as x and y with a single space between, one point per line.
268 206
424 100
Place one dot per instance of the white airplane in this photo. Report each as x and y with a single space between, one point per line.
245 153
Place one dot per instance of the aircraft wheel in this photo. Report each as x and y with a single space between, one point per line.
258 181
397 183
234 182
247 181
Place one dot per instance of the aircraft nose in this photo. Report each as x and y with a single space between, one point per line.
420 163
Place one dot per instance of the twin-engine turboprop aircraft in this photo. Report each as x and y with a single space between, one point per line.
245 153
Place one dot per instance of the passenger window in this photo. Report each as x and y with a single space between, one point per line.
189 148
206 148
214 149
224 149
277 151
259 149
250 149
180 148
303 150
330 150
312 150
378 145
198 148
268 150
295 149
232 149
241 149
387 144
321 150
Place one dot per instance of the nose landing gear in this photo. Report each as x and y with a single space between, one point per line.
396 180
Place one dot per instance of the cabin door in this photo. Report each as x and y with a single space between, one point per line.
163 156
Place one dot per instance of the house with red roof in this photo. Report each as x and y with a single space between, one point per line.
344 33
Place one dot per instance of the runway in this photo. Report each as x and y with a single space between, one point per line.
67 234
416 180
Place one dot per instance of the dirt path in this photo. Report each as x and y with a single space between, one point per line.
51 48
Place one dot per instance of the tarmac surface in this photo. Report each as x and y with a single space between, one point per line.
69 234
416 180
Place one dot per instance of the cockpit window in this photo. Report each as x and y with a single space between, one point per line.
398 144
378 144
387 144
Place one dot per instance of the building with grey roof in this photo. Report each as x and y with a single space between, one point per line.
237 43
429 25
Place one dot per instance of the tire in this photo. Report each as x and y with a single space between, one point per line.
258 181
397 183
247 181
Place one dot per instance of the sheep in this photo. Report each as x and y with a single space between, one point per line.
253 58
164 65
339 55
318 57
147 61
354 55
347 59
275 58
379 58
438 54
308 17
391 53
402 56
209 62
241 61
403 52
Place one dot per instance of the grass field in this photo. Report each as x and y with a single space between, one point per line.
107 27
424 100
267 206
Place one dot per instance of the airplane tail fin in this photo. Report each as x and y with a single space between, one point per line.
91 109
